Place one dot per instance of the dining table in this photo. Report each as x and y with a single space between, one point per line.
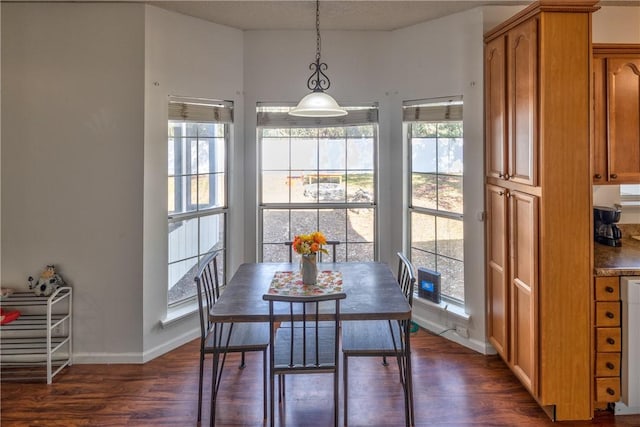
372 293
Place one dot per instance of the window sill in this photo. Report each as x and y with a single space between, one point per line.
454 311
175 314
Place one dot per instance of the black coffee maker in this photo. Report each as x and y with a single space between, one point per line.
604 223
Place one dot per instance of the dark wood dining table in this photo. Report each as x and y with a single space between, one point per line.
372 292
371 288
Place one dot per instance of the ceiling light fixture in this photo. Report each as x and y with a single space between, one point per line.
318 103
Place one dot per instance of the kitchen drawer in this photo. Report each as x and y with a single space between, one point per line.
607 389
607 313
607 364
608 340
607 288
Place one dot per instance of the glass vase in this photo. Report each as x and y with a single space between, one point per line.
309 269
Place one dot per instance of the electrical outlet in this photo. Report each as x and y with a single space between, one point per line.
462 331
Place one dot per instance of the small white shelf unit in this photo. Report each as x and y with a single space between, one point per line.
39 344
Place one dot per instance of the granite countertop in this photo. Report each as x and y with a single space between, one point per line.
619 261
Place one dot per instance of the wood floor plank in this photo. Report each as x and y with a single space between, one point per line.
453 386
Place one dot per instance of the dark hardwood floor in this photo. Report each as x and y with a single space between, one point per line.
453 386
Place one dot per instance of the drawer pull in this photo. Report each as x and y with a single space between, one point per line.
609 289
610 366
611 391
597 176
614 176
611 341
610 315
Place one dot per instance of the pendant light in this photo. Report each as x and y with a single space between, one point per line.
318 103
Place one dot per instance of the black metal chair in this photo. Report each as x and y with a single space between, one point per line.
307 348
223 338
375 338
332 243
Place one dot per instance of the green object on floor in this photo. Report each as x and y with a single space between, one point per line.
414 327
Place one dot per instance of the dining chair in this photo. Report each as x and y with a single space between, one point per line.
332 243
307 348
386 338
223 338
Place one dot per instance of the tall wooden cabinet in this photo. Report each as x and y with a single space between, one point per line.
616 78
538 201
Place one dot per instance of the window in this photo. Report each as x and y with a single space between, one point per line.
630 194
436 239
317 174
197 195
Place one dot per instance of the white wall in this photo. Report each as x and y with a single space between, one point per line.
72 161
194 58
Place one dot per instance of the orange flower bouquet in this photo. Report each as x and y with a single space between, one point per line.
310 244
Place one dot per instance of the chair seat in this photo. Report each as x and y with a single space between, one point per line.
326 344
244 337
370 337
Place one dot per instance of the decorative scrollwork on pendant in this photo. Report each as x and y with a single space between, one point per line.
318 81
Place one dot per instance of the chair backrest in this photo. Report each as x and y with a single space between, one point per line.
208 287
332 243
406 277
310 344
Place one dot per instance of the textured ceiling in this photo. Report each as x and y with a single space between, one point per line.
334 15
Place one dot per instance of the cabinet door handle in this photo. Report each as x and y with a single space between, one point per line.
500 175
500 193
609 289
614 176
610 391
597 176
611 341
610 365
506 176
610 315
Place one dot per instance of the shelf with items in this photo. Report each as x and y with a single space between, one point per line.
39 344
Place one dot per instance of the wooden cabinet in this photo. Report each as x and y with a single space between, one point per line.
616 141
523 224
607 340
497 238
512 219
538 200
511 132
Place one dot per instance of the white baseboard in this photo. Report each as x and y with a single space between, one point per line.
137 358
473 344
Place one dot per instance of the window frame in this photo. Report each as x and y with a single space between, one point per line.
411 116
283 122
194 211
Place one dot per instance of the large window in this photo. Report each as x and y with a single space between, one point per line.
436 239
197 195
317 174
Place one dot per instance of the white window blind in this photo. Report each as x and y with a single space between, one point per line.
436 110
200 111
268 117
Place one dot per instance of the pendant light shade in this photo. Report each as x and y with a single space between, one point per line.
318 103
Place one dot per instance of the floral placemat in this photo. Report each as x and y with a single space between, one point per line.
290 283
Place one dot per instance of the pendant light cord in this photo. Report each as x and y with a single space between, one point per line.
318 41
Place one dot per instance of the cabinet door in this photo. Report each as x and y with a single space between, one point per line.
522 105
497 264
600 174
523 219
623 96
495 107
